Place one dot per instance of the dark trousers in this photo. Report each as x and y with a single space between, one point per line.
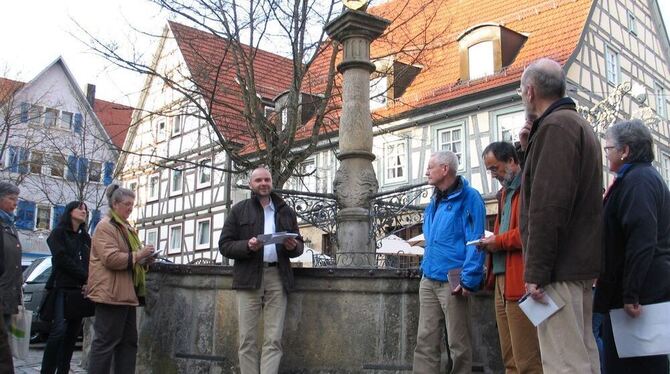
616 365
62 338
115 329
6 361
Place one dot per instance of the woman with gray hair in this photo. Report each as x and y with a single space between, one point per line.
116 283
10 269
636 240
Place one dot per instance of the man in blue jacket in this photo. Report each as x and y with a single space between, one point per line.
451 269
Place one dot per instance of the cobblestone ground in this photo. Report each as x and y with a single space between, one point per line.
33 364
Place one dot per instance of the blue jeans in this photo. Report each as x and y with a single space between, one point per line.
598 334
62 338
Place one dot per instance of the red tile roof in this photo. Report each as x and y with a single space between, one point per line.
211 65
7 88
116 119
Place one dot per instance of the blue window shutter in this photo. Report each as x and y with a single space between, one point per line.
95 218
109 170
23 160
77 123
25 215
58 212
24 112
82 168
71 168
13 158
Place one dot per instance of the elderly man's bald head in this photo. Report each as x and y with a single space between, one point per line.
547 78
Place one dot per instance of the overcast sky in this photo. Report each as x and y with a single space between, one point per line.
33 33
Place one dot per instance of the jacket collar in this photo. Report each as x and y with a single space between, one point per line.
7 218
276 200
461 183
564 103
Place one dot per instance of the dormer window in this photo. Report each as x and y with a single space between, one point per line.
378 90
390 80
480 60
486 49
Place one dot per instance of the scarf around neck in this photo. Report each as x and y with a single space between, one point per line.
139 271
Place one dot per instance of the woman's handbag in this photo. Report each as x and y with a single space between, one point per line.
19 333
48 305
75 305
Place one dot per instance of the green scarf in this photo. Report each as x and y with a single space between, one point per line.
139 271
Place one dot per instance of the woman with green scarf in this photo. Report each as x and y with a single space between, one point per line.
116 283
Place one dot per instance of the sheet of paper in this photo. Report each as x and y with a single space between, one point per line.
538 312
646 335
276 238
476 241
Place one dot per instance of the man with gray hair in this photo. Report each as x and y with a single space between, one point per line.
560 218
10 269
451 269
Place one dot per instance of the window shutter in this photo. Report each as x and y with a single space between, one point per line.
23 160
109 169
13 159
24 112
58 212
77 123
82 168
25 215
71 168
95 218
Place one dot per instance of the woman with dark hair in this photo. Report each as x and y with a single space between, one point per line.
70 245
636 240
116 282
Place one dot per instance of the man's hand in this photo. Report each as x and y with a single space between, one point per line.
536 292
633 310
459 290
524 133
254 244
290 244
488 244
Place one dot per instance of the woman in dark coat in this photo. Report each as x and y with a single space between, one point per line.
70 247
636 240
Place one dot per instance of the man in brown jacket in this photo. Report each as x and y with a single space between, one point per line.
262 272
561 218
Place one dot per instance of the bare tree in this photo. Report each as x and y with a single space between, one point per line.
230 86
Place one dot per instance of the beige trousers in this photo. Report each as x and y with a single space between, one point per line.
566 338
437 306
518 337
269 303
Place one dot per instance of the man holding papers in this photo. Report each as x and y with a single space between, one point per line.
636 271
518 337
262 273
561 218
451 269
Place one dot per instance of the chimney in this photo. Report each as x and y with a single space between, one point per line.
90 94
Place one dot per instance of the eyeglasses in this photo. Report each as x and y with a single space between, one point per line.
607 148
519 91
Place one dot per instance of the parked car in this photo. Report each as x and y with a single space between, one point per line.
35 277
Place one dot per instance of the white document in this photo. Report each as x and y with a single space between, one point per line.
477 241
276 238
646 335
538 312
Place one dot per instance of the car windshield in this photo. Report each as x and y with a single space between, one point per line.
38 273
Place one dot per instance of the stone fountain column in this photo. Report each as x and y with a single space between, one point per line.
355 182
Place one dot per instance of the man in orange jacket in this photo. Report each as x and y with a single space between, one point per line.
518 337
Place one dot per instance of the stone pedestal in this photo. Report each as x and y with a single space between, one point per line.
355 182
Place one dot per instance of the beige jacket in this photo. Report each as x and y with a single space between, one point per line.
110 276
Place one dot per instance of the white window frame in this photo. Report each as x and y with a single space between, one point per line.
612 66
150 196
396 161
308 183
40 165
514 129
661 105
53 121
63 165
665 167
35 114
146 237
198 234
171 234
451 127
46 208
176 125
481 60
99 169
160 132
63 123
173 190
632 22
201 169
378 92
